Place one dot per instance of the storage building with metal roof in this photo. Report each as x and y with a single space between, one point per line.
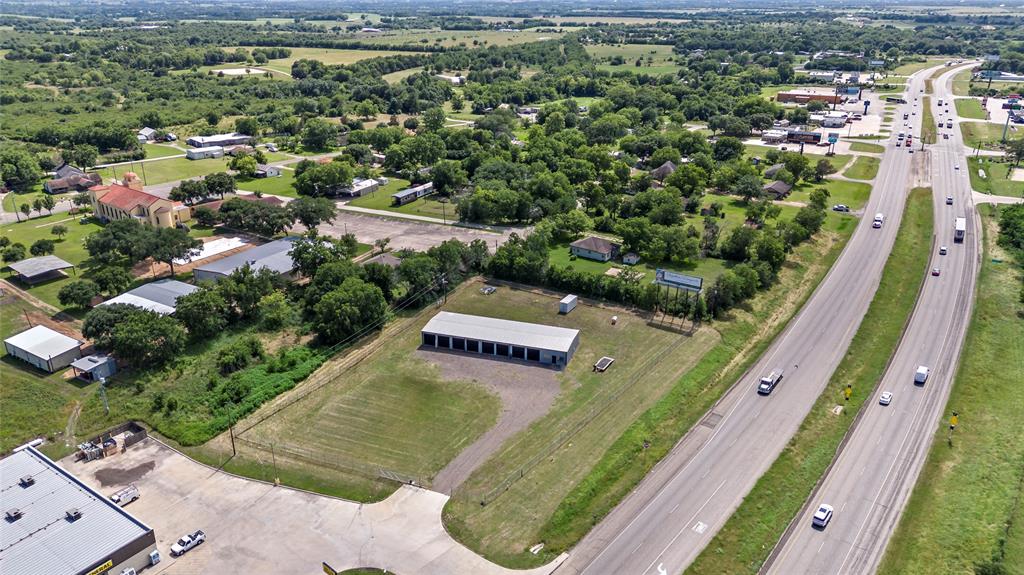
44 348
275 256
56 524
160 296
502 338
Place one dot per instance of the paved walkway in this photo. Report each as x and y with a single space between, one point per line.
255 527
980 198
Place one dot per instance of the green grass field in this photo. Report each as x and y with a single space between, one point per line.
995 180
866 147
970 108
163 171
853 194
656 59
449 38
566 492
749 535
911 67
707 268
966 503
962 83
161 151
864 168
277 186
398 76
982 134
770 92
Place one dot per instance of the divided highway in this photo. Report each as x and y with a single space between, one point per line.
676 510
872 478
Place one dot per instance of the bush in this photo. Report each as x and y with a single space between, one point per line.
238 355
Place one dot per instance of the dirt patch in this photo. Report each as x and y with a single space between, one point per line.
526 392
117 476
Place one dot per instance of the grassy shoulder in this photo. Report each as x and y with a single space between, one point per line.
567 493
965 509
929 130
866 147
745 541
970 108
996 178
865 168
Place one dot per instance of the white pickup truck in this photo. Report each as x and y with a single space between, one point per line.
187 542
768 382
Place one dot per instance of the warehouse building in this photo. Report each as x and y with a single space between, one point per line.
160 296
275 256
501 338
44 348
54 523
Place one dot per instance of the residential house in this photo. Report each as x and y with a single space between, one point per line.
594 248
267 171
360 187
119 201
777 189
71 179
662 172
146 135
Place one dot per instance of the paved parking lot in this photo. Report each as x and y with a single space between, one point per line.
256 528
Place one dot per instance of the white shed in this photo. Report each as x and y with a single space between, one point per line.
44 348
567 304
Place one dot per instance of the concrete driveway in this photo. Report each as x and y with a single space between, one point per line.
254 527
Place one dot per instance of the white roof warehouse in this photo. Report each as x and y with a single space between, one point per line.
44 348
501 338
54 523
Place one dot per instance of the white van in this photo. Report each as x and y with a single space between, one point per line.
879 218
921 375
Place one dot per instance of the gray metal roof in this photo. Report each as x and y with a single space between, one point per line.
481 328
91 362
274 255
40 265
42 342
43 540
160 296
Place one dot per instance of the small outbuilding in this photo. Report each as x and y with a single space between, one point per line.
94 367
267 171
44 348
40 269
502 338
631 259
777 189
567 304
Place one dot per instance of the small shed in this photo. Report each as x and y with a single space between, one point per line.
40 269
631 259
94 367
267 171
44 348
567 304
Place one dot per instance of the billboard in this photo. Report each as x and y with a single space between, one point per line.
677 280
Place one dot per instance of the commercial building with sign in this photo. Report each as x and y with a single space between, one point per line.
56 524
501 338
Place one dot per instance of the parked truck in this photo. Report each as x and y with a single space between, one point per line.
126 495
768 382
959 229
187 542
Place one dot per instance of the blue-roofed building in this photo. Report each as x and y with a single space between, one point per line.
412 194
275 256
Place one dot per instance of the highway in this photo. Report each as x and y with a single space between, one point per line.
872 478
675 511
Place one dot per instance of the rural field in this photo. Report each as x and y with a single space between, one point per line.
448 38
655 59
328 56
964 514
169 170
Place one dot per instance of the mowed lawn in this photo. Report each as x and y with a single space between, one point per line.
161 151
169 170
853 194
995 180
277 186
428 206
970 108
655 59
707 268
866 147
967 498
864 168
392 410
983 134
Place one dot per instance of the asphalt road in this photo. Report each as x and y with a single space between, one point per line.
872 478
675 511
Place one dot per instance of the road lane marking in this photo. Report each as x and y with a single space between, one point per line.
672 542
674 509
635 548
700 527
661 569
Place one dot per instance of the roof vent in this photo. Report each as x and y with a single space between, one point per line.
14 514
27 481
73 514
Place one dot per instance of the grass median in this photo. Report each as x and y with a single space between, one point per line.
742 545
964 515
928 129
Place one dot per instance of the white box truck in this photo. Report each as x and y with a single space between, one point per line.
921 375
567 304
959 229
768 382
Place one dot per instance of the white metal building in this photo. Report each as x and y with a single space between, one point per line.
55 523
501 338
44 348
160 296
204 153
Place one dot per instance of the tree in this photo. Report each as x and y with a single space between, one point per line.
736 245
147 339
42 247
747 186
78 293
411 123
349 309
48 203
19 168
434 119
220 184
169 244
189 191
37 205
247 125
112 279
311 212
244 288
1015 150
245 165
99 323
82 155
318 134
367 109
25 209
275 311
458 102
448 176
203 312
822 169
662 155
796 164
212 118
382 276
152 119
323 179
255 217
59 230
313 251
381 243
14 252
727 148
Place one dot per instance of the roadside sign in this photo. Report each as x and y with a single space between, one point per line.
953 421
832 138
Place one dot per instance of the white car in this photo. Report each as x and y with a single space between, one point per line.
956 166
271 147
822 516
885 398
943 250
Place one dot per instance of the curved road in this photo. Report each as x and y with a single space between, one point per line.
873 476
675 511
